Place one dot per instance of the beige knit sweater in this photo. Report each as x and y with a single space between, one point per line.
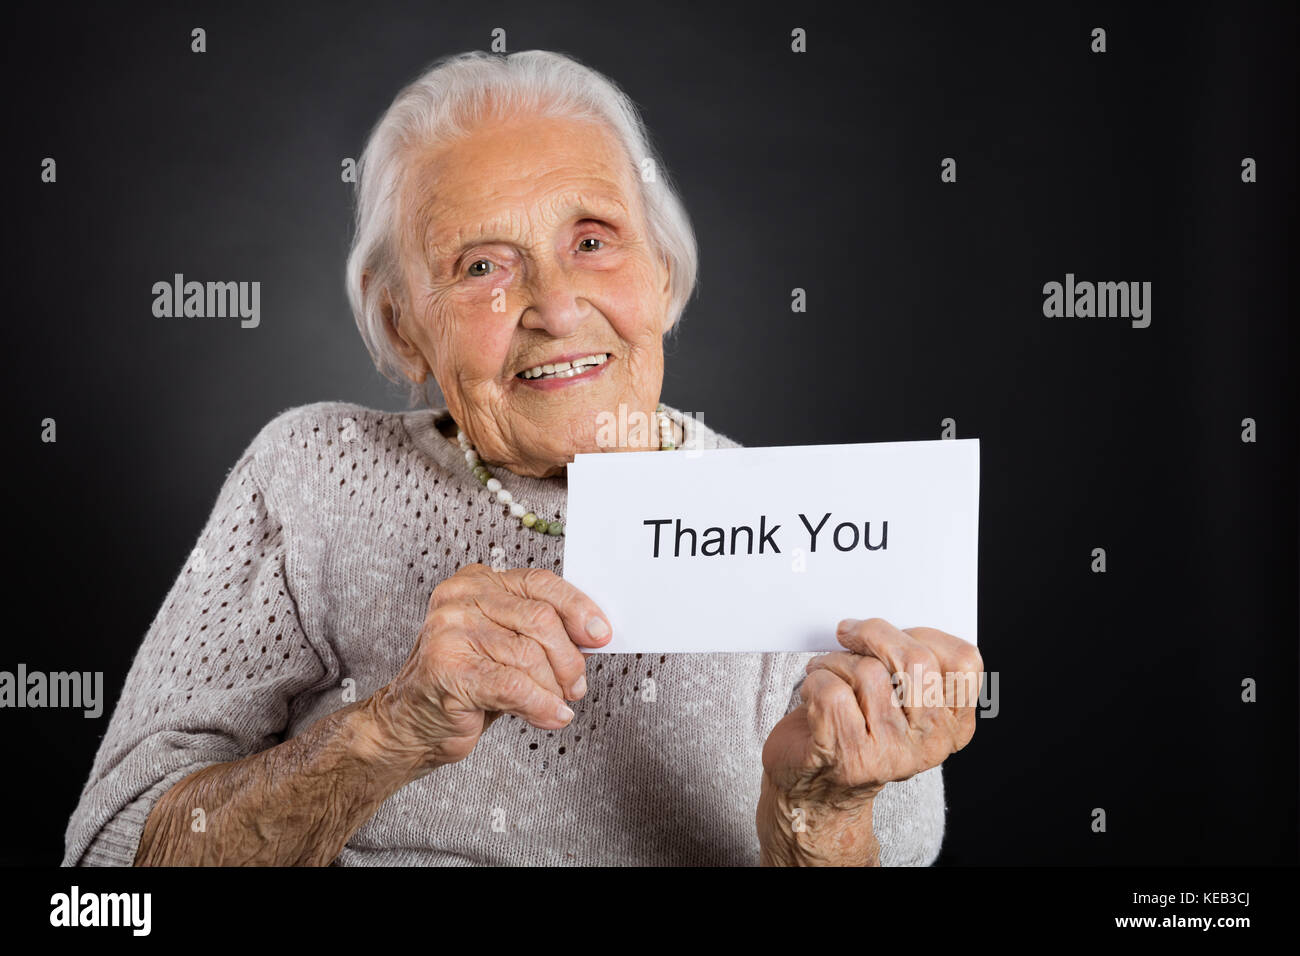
307 589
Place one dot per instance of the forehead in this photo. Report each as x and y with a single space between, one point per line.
499 168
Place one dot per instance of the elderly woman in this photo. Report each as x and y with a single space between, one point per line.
372 657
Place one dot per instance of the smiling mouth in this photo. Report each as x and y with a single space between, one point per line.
565 369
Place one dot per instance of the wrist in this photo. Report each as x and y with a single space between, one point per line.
376 741
796 831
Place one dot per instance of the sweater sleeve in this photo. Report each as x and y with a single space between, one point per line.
212 682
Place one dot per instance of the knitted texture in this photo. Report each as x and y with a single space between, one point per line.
307 589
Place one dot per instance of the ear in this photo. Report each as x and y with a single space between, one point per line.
665 291
416 368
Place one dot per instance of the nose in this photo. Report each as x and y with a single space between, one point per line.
555 301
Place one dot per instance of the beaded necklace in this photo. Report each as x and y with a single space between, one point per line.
527 518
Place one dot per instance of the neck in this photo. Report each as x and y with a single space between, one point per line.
447 428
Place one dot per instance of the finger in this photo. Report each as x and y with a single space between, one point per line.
540 623
903 655
512 650
910 662
491 686
963 676
957 658
586 625
873 687
835 721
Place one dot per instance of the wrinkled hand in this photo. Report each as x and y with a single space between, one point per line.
860 727
492 643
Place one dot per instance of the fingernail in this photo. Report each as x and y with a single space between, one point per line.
579 686
849 623
564 713
597 627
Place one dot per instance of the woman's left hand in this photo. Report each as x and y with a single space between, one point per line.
896 703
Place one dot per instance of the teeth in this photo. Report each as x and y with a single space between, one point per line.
565 369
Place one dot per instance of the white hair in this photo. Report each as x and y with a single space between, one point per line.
448 100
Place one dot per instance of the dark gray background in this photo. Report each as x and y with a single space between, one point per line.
821 171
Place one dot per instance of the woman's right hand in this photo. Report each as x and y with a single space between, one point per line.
493 642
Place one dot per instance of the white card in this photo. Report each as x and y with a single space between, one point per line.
900 542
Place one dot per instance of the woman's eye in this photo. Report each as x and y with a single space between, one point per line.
591 239
474 266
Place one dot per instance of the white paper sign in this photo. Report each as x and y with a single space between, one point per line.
767 549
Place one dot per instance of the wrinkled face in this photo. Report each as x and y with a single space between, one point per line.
525 245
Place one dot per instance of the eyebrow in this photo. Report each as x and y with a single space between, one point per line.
595 207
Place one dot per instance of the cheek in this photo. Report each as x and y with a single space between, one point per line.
471 342
633 305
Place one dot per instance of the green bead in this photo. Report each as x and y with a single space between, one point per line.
541 527
556 528
529 520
